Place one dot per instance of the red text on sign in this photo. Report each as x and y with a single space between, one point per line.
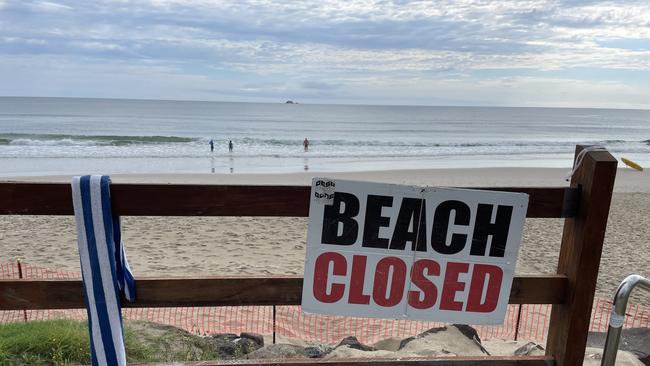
392 277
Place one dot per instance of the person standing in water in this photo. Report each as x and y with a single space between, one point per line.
306 144
211 145
230 146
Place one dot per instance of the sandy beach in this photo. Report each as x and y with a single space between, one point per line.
195 246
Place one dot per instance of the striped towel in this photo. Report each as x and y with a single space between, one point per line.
105 270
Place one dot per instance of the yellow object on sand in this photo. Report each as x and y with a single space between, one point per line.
632 164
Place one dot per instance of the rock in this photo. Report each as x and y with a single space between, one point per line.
256 338
245 346
225 344
388 344
167 343
405 341
354 343
635 340
224 337
593 357
445 341
527 349
507 348
317 351
232 346
348 352
277 351
468 331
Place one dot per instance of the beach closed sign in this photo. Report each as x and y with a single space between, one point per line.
404 252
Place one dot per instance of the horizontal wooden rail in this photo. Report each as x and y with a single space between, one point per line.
224 291
224 200
438 361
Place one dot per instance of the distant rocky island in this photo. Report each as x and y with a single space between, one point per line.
290 102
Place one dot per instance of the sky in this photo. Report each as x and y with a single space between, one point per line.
546 53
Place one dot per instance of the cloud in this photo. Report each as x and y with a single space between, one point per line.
49 6
103 46
319 85
315 47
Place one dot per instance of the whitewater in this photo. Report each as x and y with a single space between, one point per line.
40 136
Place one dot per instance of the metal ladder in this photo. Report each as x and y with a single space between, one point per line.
617 318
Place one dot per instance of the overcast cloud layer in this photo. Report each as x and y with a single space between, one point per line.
519 53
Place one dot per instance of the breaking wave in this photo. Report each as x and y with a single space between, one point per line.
87 140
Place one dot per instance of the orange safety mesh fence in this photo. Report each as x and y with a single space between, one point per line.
528 321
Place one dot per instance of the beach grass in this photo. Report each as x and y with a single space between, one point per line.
66 342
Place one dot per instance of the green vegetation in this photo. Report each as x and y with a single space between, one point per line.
65 342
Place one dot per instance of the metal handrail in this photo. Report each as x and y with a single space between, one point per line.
617 318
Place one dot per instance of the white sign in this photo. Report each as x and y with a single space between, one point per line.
391 251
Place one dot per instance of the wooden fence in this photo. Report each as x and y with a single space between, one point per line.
522 321
584 205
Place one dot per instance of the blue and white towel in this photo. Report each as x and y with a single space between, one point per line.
104 267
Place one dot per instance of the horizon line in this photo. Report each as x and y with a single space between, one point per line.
295 102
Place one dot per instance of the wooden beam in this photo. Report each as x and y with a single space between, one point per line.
161 200
223 291
438 361
224 200
582 245
540 289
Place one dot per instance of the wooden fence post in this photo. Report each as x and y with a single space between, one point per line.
20 276
582 244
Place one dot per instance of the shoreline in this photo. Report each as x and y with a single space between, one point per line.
627 180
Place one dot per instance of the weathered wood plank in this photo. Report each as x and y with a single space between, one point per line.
582 245
223 200
539 289
438 361
223 291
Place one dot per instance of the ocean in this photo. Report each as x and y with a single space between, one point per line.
51 136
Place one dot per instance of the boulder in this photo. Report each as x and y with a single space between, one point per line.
244 346
224 344
528 349
349 352
498 347
354 343
277 351
635 340
454 340
317 351
406 341
593 357
168 343
388 344
229 345
256 338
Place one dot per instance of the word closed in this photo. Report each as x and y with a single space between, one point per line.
389 251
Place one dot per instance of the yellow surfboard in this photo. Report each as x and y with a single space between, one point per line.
632 164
